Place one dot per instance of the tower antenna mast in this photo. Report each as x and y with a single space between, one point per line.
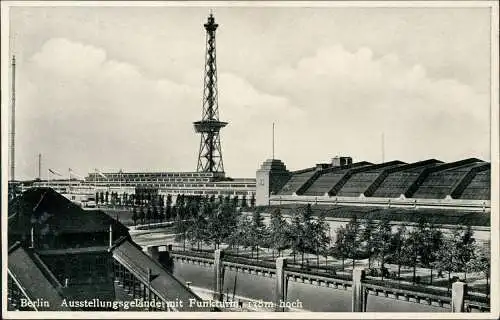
383 147
210 151
39 166
273 140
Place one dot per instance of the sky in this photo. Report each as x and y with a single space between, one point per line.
119 87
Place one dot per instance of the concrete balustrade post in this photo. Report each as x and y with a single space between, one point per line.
458 292
281 284
358 292
218 275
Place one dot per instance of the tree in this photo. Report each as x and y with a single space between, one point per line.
252 201
244 201
242 234
411 249
106 198
168 208
308 239
149 215
221 223
174 214
169 200
135 216
481 262
295 235
97 198
228 218
278 229
258 232
383 242
321 239
340 249
432 240
141 214
448 254
181 227
466 248
125 199
397 247
155 214
352 238
198 230
235 202
161 213
368 237
179 206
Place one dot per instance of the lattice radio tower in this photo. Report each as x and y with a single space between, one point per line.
210 154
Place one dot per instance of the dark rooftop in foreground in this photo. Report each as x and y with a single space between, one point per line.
59 251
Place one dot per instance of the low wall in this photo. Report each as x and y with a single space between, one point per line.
316 293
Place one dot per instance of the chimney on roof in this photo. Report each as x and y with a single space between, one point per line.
341 161
321 166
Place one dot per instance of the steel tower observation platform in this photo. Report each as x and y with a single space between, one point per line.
210 151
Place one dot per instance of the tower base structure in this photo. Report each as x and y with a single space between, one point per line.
271 177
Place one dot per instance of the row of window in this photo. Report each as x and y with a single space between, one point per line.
184 185
128 179
159 174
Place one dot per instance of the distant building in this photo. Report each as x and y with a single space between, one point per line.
173 183
59 253
189 183
460 185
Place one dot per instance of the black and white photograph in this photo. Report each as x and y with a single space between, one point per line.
250 159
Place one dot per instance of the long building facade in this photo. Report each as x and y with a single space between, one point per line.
173 183
463 184
188 183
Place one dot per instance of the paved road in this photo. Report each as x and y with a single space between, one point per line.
153 239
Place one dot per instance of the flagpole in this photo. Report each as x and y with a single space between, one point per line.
69 180
48 178
273 140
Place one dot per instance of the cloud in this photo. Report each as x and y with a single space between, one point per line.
82 110
71 59
349 98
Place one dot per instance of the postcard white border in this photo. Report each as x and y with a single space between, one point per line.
495 161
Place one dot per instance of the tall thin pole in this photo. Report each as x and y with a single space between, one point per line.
13 122
273 140
383 148
40 166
